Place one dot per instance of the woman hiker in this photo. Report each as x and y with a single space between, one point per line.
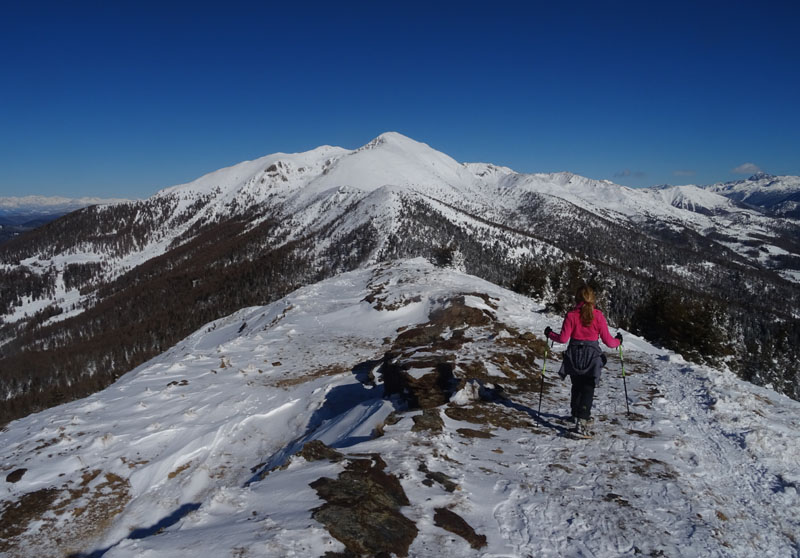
583 359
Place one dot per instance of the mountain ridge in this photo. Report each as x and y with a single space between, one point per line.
103 289
415 388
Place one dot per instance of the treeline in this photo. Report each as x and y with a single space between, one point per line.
21 282
82 275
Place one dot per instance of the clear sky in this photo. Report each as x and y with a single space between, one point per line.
117 98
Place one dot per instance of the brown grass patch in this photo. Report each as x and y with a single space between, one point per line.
179 470
470 433
611 497
16 516
653 468
487 413
641 434
134 464
322 372
68 518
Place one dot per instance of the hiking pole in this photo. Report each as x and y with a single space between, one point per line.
624 383
544 369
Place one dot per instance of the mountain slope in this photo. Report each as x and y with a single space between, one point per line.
196 450
91 296
780 195
697 200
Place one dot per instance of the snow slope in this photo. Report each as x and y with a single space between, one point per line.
178 456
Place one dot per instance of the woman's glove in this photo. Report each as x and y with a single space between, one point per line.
547 332
619 336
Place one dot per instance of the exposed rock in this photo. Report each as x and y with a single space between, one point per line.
362 509
457 314
454 316
420 367
15 476
451 521
423 384
315 450
430 419
435 476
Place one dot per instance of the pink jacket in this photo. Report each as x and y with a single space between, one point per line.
574 329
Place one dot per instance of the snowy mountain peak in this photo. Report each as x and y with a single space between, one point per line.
393 138
390 159
394 160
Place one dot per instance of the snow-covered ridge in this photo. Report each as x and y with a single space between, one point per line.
196 448
760 182
396 162
693 198
777 194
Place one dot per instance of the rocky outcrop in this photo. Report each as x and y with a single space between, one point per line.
454 523
362 509
421 383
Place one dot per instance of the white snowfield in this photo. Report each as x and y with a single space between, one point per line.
166 462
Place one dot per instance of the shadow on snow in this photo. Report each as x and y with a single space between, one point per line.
144 532
336 422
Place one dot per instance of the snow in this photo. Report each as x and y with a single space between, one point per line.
344 189
706 465
758 184
393 159
691 198
52 204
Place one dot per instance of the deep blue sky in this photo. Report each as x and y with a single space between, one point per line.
124 98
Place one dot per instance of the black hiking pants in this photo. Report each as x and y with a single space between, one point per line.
582 395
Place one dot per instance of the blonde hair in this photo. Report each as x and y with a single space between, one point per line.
585 294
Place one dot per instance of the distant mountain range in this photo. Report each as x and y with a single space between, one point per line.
48 205
779 195
22 214
711 272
